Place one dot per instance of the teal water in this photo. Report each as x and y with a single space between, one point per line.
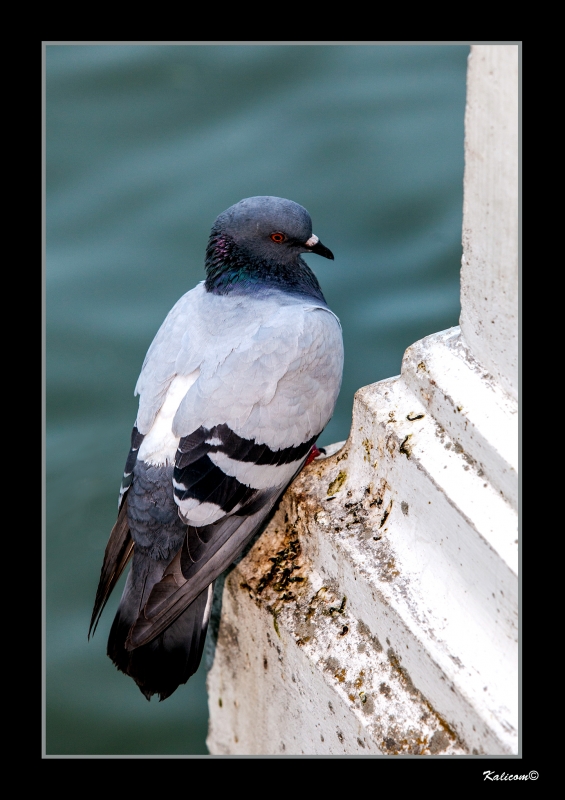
145 146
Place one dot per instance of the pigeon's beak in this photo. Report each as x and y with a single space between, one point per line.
314 245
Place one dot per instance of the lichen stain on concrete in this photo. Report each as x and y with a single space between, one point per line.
409 742
280 575
333 611
406 446
379 494
272 571
272 568
337 483
389 570
386 514
405 678
365 632
333 666
439 741
448 735
447 729
227 636
404 506
332 663
315 601
368 706
359 680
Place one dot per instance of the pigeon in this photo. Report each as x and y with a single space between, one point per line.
240 380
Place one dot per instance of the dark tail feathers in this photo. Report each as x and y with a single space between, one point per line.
160 666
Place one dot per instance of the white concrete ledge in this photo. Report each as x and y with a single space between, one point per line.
405 525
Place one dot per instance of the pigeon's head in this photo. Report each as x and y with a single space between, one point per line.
270 228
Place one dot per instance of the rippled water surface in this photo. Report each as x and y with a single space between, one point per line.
145 146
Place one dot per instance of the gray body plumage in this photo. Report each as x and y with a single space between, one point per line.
240 380
280 351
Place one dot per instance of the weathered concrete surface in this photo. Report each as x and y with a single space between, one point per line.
489 270
378 611
297 670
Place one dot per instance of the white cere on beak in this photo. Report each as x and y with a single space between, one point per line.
312 241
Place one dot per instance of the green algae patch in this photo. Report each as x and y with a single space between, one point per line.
337 483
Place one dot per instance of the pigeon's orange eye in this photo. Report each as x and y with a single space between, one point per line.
278 237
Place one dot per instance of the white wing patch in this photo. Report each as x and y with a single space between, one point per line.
160 443
258 476
194 512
